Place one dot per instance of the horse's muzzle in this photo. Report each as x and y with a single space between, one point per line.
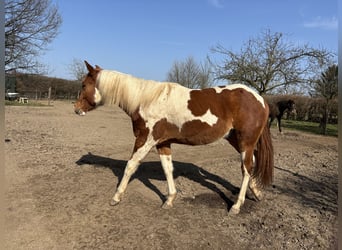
80 112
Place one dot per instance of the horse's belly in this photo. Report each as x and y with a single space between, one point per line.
198 133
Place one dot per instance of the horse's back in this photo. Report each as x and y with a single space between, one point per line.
210 105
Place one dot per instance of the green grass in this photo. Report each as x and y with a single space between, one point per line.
30 104
309 127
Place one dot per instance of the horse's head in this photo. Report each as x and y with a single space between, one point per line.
291 106
89 97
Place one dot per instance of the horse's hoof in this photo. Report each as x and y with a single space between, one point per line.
114 203
167 206
259 197
234 211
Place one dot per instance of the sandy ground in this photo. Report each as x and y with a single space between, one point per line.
62 171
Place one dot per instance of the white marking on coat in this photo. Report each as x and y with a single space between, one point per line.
167 165
174 107
208 118
97 96
235 86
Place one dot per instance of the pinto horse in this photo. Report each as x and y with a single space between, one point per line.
163 113
277 110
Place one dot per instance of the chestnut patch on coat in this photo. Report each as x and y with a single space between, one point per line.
227 103
140 130
202 100
193 132
197 132
163 131
164 148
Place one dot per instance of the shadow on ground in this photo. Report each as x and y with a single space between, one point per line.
319 194
152 170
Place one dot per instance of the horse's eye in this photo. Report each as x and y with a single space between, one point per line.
83 86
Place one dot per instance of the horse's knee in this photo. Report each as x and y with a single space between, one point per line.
131 167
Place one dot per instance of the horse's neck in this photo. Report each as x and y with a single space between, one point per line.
282 107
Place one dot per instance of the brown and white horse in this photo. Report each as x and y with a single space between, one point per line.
163 113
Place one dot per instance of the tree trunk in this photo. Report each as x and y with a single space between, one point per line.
324 120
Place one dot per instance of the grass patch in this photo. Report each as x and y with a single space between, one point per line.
29 104
310 127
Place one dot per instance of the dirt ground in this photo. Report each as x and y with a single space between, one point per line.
62 171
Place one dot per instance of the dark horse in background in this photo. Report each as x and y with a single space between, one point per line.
277 110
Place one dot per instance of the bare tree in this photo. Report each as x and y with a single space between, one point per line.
204 77
190 74
77 69
326 87
30 25
269 62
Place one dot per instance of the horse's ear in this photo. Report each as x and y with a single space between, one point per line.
89 67
97 67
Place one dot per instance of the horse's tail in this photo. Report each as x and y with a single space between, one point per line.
263 169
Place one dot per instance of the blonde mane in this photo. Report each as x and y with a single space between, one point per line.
129 92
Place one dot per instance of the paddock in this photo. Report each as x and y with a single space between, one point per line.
60 182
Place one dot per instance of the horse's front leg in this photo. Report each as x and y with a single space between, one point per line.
166 161
279 124
138 155
131 167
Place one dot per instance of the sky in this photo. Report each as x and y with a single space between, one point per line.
145 37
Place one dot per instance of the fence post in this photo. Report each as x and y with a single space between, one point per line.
49 96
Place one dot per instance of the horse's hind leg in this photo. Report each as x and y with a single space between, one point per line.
166 161
270 122
131 167
253 185
255 189
246 167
